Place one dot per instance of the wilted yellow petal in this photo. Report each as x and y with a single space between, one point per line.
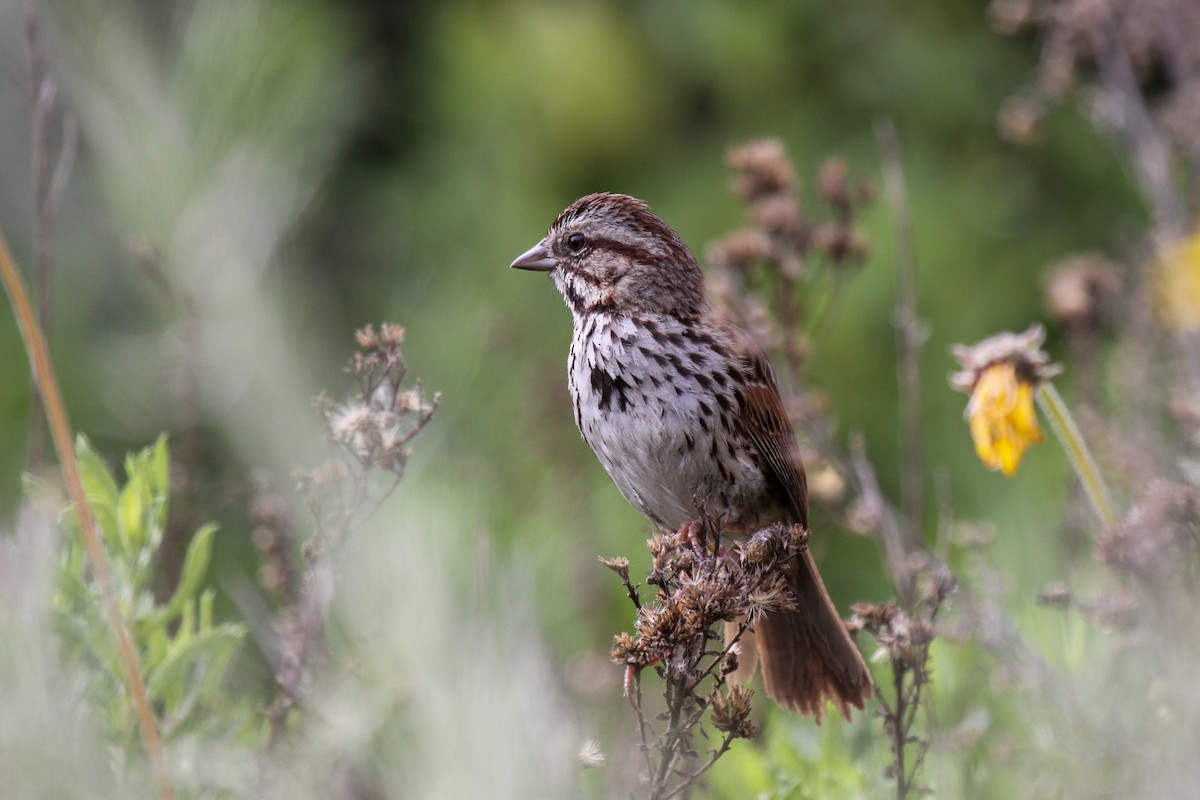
1001 417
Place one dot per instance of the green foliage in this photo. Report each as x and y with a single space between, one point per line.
798 761
183 652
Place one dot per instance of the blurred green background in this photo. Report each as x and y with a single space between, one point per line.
300 168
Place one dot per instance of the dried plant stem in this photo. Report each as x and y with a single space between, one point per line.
1071 439
41 95
673 739
909 331
64 445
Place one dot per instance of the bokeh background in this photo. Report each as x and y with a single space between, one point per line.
255 180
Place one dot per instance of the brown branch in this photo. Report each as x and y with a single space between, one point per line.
41 97
64 445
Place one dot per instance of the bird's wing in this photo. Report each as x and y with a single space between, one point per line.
765 423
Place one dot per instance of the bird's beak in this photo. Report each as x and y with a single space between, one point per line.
536 258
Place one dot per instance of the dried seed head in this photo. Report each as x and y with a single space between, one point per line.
366 338
589 755
779 216
761 167
629 652
391 334
739 251
731 712
1080 291
773 594
833 182
619 565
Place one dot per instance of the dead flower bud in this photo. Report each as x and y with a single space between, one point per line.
1081 289
833 184
902 639
407 401
739 251
762 168
391 334
730 662
772 594
619 565
779 216
731 712
841 244
366 338
348 422
628 651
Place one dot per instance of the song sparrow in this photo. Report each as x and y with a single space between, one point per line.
682 408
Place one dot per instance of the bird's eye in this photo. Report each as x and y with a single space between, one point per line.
576 242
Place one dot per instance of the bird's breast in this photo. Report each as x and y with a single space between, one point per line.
657 403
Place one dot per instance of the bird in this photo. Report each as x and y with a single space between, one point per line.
682 409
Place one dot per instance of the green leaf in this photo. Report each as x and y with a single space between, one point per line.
99 487
192 667
160 478
98 482
132 509
195 564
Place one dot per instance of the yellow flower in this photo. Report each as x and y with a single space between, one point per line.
1177 284
1002 419
1001 374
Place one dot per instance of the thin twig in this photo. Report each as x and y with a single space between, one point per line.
691 777
906 555
64 445
910 333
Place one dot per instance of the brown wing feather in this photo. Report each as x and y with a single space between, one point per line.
765 424
807 655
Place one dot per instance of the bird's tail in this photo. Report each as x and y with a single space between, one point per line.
807 655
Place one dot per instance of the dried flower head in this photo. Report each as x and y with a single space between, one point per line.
731 712
833 182
739 251
366 338
709 595
1157 545
841 244
1081 289
1001 374
1020 119
760 168
779 216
